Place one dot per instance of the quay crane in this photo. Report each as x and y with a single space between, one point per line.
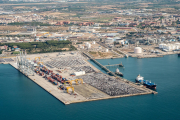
70 83
69 87
37 58
72 88
76 80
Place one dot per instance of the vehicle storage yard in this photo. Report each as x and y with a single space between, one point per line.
110 85
61 75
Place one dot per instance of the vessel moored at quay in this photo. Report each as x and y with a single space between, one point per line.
147 83
118 73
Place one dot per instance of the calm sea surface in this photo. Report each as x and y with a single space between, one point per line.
22 99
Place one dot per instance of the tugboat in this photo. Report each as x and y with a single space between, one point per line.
118 73
148 84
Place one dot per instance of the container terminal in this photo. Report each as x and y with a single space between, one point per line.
70 78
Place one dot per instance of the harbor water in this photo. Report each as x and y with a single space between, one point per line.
20 98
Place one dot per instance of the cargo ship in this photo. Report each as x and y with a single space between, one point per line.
148 84
118 73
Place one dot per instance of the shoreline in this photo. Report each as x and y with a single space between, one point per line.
139 56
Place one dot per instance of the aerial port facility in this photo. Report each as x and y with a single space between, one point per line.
70 78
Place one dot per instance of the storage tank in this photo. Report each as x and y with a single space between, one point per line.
137 50
107 50
160 46
88 46
79 46
86 43
177 47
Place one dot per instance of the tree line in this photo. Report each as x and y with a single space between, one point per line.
42 47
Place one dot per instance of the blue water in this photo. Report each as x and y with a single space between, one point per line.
22 99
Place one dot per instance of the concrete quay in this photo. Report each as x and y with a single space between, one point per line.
67 98
103 67
82 92
53 90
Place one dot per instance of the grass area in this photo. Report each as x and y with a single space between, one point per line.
15 52
29 23
102 54
91 52
43 47
117 51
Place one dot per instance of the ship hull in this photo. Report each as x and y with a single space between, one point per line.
148 86
119 74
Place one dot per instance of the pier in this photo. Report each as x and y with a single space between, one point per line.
100 65
113 74
120 65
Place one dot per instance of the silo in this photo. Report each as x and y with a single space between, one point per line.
137 50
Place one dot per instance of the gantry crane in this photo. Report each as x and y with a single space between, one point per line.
70 83
37 58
